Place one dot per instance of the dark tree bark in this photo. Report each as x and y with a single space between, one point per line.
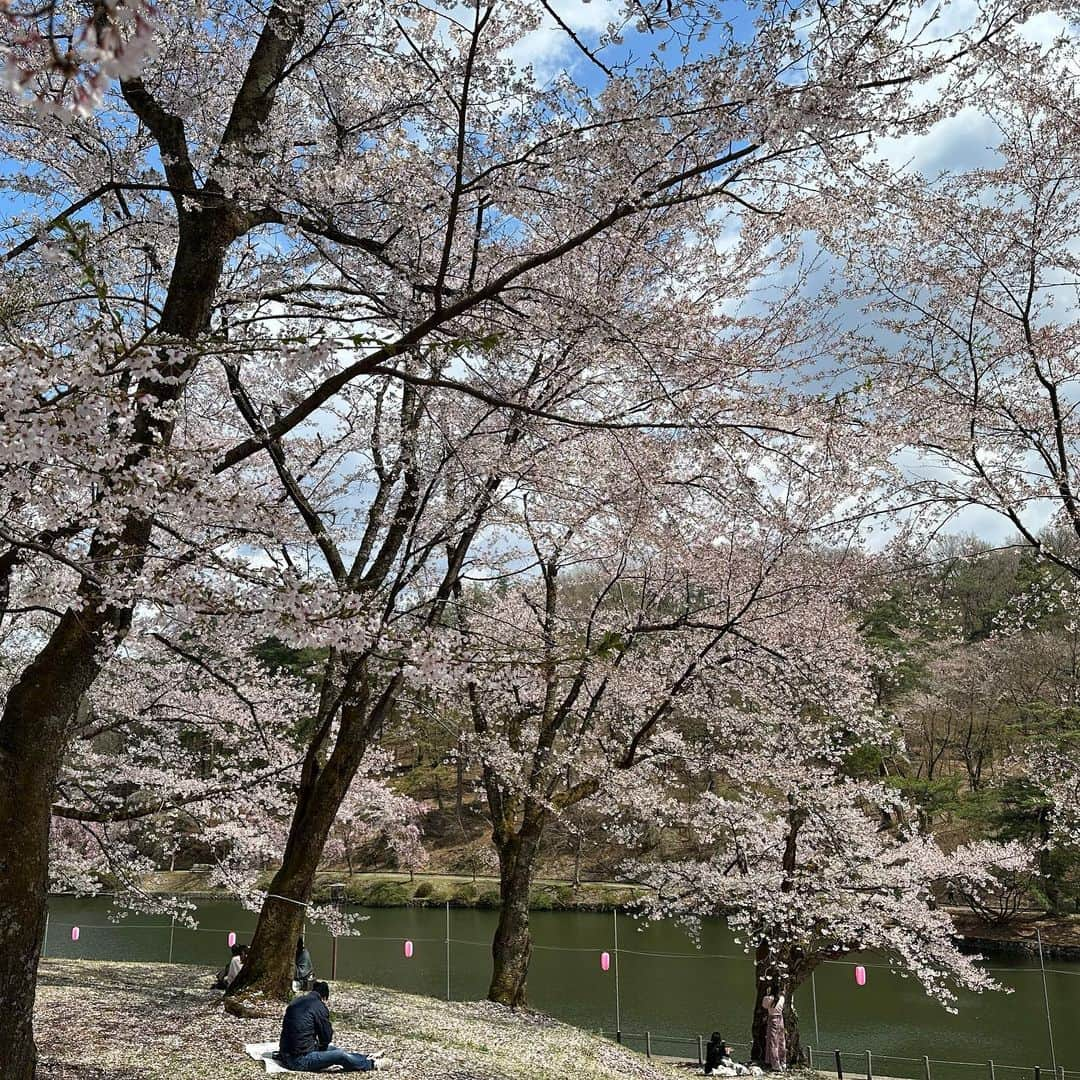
41 713
760 1021
783 969
792 1030
268 970
324 783
33 733
511 948
364 699
519 819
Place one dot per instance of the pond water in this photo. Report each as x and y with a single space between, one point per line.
667 986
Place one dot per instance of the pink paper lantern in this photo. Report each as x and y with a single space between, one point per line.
232 938
860 975
74 933
408 950
605 961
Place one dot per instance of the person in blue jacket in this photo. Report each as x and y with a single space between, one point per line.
306 1034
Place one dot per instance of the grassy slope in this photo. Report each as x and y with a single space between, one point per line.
389 889
109 1021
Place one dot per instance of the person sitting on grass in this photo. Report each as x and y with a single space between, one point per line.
720 1060
222 980
306 1032
715 1050
235 964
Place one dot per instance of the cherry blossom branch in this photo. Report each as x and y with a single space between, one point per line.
174 802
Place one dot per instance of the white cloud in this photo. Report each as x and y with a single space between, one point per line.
549 48
955 144
1043 28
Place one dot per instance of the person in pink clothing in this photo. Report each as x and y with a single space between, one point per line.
775 1036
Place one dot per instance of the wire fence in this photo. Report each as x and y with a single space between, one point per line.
80 938
855 1064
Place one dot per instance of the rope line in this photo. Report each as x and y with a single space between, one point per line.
550 948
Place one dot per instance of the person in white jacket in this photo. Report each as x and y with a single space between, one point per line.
235 964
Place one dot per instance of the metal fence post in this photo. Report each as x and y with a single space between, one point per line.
615 928
990 1069
809 1056
648 1044
1046 998
813 994
926 1067
869 1067
839 1067
1061 1072
701 1051
1038 1072
45 939
447 950
172 932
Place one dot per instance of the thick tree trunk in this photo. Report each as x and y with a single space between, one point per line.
268 971
40 714
784 970
511 948
763 970
792 1030
759 1024
40 711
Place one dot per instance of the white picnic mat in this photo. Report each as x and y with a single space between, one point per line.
264 1052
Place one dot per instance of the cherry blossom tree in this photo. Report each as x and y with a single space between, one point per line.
180 738
971 378
959 717
971 373
390 175
808 863
1054 770
643 577
83 379
188 743
452 477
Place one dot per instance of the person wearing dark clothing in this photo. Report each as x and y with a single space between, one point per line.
714 1051
718 1057
305 973
306 1032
